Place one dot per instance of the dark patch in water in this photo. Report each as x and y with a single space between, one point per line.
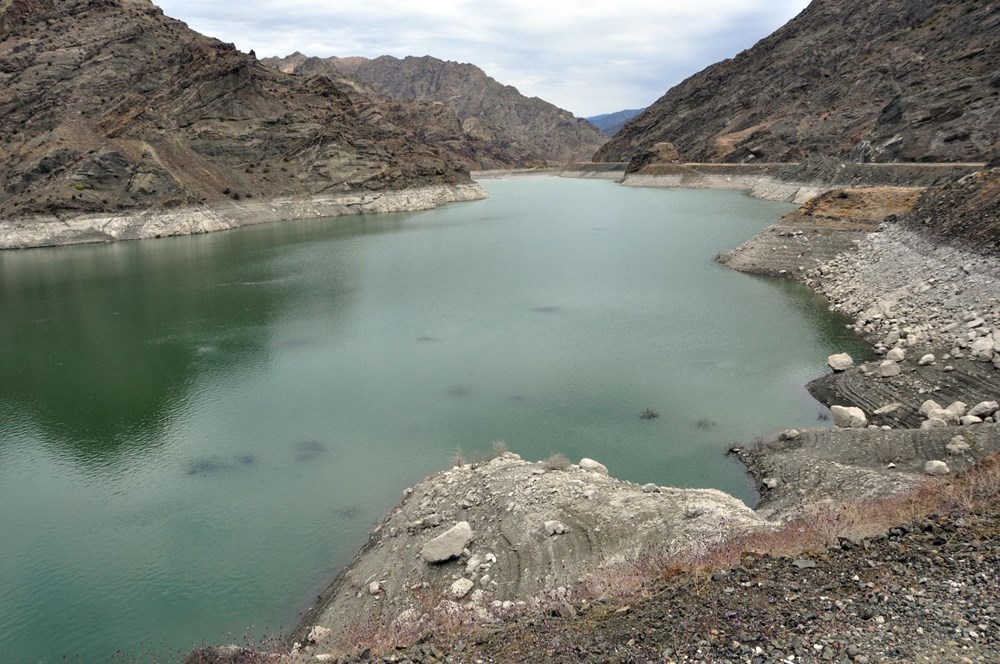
217 464
296 343
458 391
520 398
308 450
348 511
705 423
428 340
546 310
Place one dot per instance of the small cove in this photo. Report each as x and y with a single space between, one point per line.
197 433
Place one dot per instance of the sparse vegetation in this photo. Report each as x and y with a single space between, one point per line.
557 461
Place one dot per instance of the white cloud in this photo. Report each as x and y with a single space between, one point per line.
589 57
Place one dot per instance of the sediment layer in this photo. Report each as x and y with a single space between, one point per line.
49 230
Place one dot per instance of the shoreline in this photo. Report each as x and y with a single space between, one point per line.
795 473
51 231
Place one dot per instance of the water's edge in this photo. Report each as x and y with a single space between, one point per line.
50 231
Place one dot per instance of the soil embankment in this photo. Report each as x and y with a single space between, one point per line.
48 230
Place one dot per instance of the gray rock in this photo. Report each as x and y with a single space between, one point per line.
448 545
771 483
849 417
802 563
936 468
927 360
970 420
553 528
318 633
889 409
943 414
474 564
374 588
933 423
984 409
650 488
593 466
983 345
888 369
896 355
959 408
840 362
957 446
928 406
460 588
789 434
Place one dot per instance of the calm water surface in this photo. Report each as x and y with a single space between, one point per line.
196 433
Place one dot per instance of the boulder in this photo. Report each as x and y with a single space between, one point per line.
957 446
928 406
888 369
936 468
849 417
593 466
553 528
945 415
840 362
926 360
317 634
896 355
460 588
933 424
959 408
969 420
448 545
984 409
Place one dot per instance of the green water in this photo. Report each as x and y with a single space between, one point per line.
197 433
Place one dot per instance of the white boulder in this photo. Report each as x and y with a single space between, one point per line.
593 466
840 362
849 417
449 544
936 468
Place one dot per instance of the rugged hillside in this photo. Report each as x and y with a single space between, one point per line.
899 80
611 123
965 212
520 131
108 105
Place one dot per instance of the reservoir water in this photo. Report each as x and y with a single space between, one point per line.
197 433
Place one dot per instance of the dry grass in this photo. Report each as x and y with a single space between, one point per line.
557 462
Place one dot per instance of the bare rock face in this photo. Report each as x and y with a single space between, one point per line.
504 128
898 80
538 536
111 106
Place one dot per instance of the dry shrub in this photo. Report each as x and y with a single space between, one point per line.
556 462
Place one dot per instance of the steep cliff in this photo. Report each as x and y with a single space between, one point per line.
898 80
509 128
109 106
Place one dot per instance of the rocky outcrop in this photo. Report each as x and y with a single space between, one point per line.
505 537
506 129
886 81
109 108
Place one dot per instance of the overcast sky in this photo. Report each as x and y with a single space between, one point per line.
585 56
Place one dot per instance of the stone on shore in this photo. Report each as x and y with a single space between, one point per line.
460 588
927 360
889 409
984 409
318 633
959 408
849 417
933 423
970 420
896 355
553 528
448 545
840 362
593 466
927 406
958 446
936 468
888 369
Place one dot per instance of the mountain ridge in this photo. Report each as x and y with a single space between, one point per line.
870 82
520 131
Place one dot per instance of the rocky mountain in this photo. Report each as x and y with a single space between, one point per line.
517 130
108 105
897 80
611 123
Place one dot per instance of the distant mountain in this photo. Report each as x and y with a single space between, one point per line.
519 131
895 80
108 105
611 123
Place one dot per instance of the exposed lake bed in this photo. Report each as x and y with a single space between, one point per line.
218 393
